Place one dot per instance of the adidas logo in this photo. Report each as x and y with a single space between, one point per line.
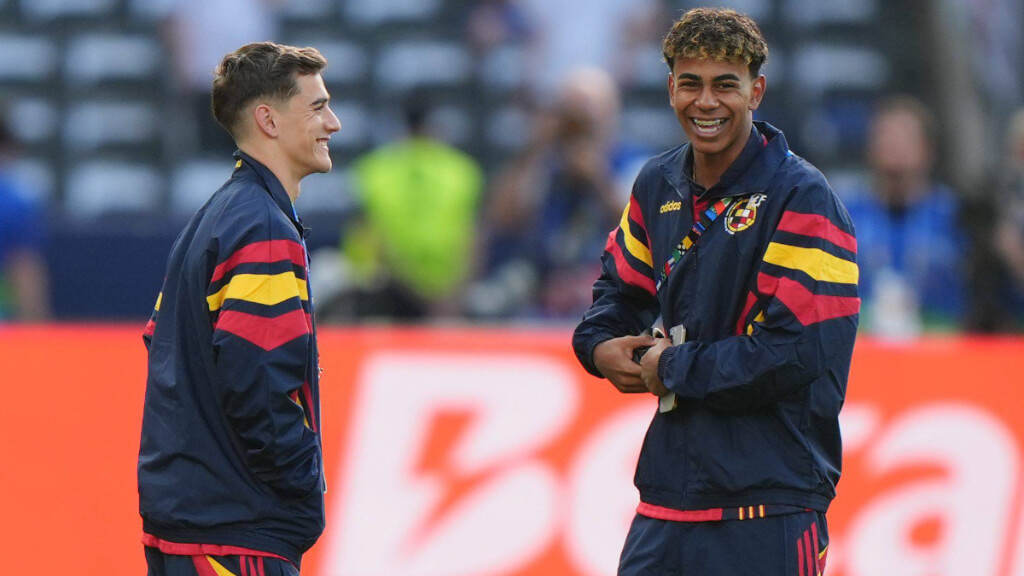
671 206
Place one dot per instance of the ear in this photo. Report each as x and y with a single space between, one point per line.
757 92
266 122
671 90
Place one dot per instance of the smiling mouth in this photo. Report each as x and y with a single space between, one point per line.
708 127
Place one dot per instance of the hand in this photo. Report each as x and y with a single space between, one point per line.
614 359
649 367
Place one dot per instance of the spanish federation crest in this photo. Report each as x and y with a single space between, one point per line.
743 214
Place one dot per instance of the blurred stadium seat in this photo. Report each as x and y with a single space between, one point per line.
27 58
348 62
815 12
508 128
193 182
96 124
403 65
87 87
81 9
95 58
651 124
327 194
818 68
33 119
310 11
101 187
375 12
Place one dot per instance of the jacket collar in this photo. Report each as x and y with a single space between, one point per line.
272 185
752 172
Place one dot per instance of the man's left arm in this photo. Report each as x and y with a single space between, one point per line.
259 305
798 324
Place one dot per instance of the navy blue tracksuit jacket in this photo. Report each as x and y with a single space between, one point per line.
230 452
768 296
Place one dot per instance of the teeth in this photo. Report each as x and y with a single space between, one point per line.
708 126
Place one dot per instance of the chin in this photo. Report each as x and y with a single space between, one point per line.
322 166
707 148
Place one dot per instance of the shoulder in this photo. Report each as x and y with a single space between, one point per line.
797 171
672 156
460 161
13 195
806 190
242 211
19 215
652 172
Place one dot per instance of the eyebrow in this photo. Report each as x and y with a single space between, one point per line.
319 101
719 78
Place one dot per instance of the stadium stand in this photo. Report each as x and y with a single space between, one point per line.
87 89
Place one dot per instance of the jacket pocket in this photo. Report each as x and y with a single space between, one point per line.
752 451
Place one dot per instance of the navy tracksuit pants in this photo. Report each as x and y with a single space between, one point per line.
784 545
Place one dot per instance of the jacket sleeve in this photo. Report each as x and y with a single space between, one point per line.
624 295
147 333
799 321
259 305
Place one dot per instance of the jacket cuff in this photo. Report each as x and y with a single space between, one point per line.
664 371
584 348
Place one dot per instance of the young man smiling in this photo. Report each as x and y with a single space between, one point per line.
230 465
742 250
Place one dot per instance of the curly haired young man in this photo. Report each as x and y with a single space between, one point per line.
749 258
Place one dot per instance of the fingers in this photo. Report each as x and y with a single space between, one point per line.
653 384
614 359
638 341
629 385
627 378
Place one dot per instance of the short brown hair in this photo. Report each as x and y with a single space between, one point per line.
260 70
718 34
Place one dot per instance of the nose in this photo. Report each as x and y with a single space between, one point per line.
333 124
707 99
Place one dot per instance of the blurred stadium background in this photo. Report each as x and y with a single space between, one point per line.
96 93
90 89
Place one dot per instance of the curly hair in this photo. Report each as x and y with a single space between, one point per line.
718 34
259 70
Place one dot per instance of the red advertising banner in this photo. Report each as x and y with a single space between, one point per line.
488 452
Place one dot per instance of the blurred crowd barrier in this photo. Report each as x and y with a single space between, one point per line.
466 452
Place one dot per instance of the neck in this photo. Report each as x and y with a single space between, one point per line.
708 168
273 161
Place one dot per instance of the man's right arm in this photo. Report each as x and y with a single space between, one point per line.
625 304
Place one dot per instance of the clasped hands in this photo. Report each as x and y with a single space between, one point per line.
614 359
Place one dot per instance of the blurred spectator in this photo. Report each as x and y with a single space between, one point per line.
24 282
553 206
410 250
910 243
1009 236
198 33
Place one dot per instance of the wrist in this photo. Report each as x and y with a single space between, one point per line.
588 347
664 360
